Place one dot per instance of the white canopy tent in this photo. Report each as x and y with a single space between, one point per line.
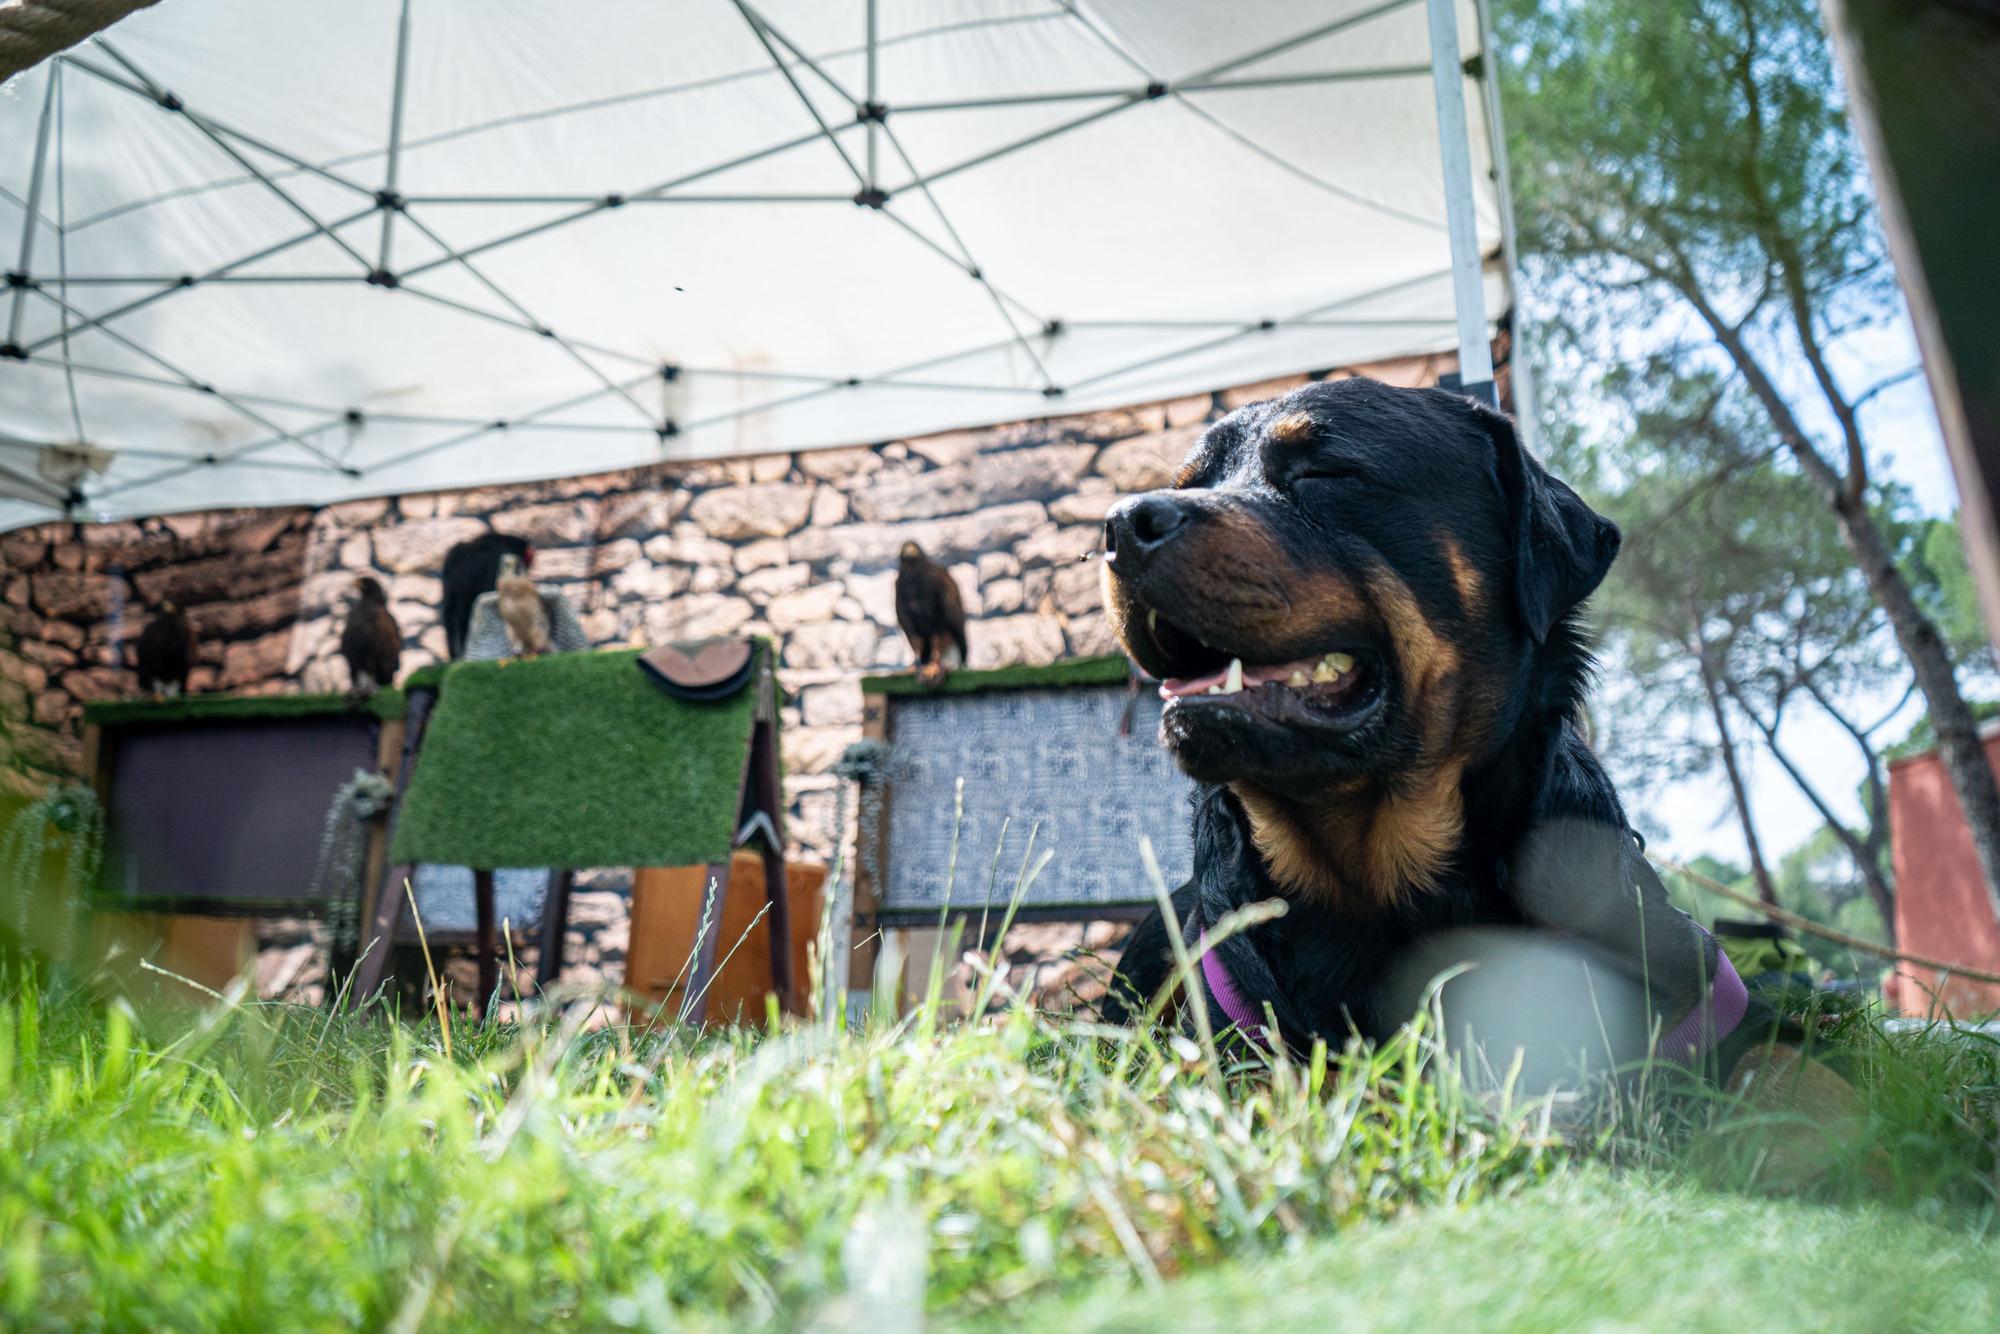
277 252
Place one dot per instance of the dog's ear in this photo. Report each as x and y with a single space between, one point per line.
1562 547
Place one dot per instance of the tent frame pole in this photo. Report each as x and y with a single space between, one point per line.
874 99
1475 353
390 201
33 211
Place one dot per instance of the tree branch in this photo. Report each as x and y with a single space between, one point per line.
33 30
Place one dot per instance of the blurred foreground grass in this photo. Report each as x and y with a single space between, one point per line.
245 1165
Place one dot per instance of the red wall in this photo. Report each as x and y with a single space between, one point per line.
1941 904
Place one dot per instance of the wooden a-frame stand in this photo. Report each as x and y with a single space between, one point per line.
759 815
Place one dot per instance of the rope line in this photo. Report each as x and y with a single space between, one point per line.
1813 928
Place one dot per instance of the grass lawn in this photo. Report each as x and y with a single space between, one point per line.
231 1165
1591 1249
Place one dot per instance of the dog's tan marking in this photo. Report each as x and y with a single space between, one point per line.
1410 836
1424 656
1429 662
1117 605
1471 589
1285 840
1323 602
1294 428
1387 845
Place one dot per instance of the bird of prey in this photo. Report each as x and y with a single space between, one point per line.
372 643
521 608
166 651
470 569
931 613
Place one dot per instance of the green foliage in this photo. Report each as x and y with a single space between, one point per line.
1937 570
275 1168
50 849
1701 250
1923 735
1697 147
574 759
1731 563
1817 880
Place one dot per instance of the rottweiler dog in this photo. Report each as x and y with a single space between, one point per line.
1362 602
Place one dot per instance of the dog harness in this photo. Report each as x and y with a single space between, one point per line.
1235 1006
1702 1029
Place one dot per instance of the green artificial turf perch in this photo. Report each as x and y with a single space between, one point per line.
577 760
1107 670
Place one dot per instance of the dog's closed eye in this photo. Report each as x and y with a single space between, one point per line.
1325 470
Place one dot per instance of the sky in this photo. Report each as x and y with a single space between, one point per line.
1688 818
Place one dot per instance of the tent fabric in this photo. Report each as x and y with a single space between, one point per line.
266 267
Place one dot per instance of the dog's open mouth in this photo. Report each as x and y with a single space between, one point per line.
1337 687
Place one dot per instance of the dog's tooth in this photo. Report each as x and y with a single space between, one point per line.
1333 666
1234 681
1152 620
1298 678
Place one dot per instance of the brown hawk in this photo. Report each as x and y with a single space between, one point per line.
372 642
166 651
931 613
522 608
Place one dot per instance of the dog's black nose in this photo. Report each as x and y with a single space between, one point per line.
1139 527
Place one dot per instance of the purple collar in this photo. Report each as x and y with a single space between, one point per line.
1228 995
1712 1020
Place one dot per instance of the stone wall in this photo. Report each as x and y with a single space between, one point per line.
800 547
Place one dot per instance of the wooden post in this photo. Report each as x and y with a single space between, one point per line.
488 943
863 945
389 760
715 892
555 926
765 795
379 938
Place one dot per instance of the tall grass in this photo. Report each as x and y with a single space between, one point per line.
237 1164
269 1166
249 1165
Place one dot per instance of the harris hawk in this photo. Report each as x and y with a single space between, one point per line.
931 614
372 642
166 651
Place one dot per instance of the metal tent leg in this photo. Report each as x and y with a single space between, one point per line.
1520 367
1475 353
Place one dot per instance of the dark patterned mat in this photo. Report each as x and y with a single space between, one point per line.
1048 760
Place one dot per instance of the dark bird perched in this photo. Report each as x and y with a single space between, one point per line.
470 569
931 613
166 651
372 643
